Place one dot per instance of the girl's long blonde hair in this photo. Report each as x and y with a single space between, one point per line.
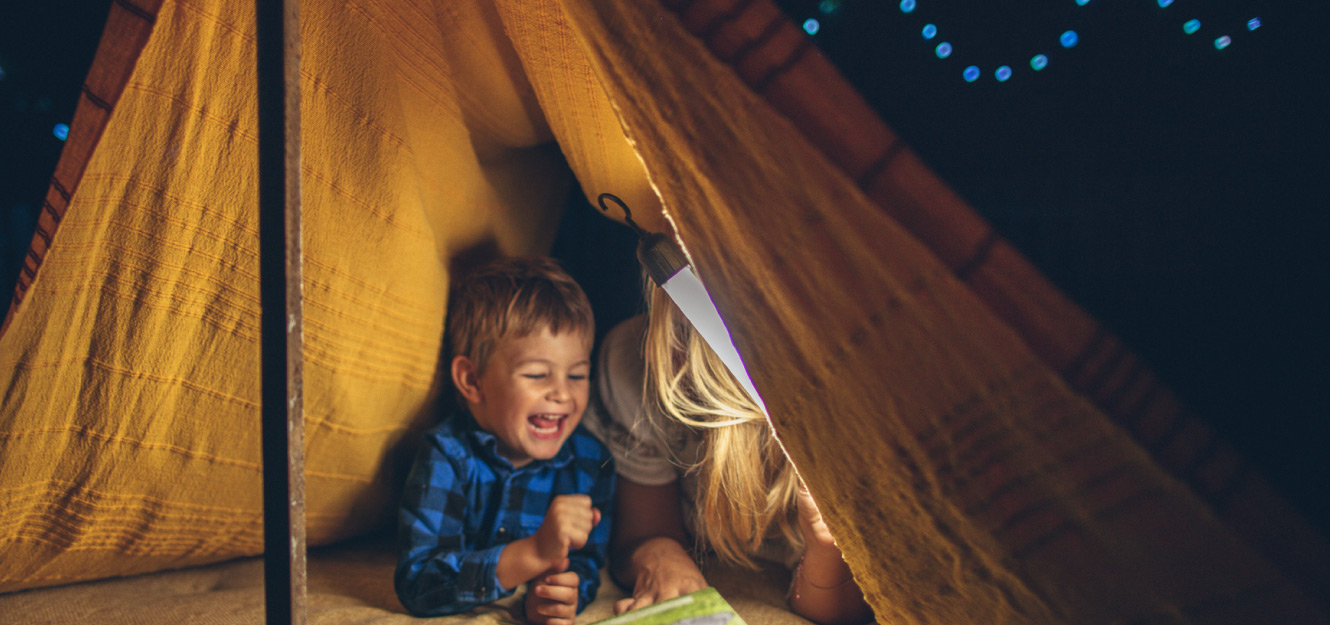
746 488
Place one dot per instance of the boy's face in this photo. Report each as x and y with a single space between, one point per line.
532 393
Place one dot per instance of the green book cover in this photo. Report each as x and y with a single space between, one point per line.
704 607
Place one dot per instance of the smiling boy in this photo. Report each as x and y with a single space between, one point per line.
509 489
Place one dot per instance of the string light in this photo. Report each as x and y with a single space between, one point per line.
811 26
1068 39
61 131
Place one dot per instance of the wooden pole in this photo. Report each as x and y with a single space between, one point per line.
282 325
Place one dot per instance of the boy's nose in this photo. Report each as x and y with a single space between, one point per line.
558 392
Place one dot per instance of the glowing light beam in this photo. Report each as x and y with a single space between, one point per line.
687 292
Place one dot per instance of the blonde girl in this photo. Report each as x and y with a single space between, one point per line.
694 452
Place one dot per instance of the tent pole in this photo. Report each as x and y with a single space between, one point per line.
282 324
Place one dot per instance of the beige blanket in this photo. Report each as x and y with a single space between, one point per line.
349 583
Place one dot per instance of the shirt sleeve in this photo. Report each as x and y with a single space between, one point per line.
588 560
438 571
619 417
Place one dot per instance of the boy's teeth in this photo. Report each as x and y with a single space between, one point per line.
546 423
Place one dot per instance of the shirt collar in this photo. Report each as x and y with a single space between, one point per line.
487 445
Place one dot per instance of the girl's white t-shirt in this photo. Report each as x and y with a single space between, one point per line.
648 447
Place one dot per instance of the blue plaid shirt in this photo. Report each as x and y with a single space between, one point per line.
464 502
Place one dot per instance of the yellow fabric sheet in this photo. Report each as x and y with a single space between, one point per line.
129 436
965 481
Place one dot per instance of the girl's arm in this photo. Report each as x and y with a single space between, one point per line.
822 589
647 550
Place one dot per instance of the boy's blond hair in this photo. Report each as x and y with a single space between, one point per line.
511 298
747 490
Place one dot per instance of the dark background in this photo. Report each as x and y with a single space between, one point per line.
1174 190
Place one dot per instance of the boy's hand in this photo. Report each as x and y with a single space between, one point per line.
552 599
567 524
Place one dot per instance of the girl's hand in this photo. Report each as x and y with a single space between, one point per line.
664 571
816 533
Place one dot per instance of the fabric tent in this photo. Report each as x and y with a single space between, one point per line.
984 450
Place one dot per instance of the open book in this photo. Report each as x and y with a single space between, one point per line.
704 607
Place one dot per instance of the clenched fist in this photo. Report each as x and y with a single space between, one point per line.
567 524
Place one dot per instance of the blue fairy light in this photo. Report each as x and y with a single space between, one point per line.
1003 73
811 26
1252 24
943 50
1222 42
970 74
907 6
1082 2
61 131
828 6
1069 39
1191 26
930 31
1163 4
1038 62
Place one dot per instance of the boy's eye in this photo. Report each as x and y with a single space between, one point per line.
577 376
533 376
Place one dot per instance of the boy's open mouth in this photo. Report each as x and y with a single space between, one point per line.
546 425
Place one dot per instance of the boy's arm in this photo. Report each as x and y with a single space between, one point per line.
521 561
438 571
588 560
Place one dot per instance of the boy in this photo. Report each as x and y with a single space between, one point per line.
510 489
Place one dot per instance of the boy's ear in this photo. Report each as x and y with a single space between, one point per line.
466 379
